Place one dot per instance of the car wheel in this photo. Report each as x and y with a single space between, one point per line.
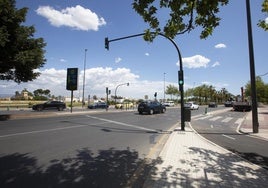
163 110
151 111
60 108
140 112
39 108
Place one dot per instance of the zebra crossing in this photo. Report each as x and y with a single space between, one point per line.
214 118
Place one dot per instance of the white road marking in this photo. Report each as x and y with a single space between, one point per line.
215 118
42 131
228 137
239 121
78 126
120 123
205 117
212 126
227 119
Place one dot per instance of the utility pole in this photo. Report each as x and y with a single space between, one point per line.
255 122
83 96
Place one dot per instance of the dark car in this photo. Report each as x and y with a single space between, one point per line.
96 105
50 105
151 107
229 103
212 105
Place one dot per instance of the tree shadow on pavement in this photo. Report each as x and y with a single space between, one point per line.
209 169
109 168
254 158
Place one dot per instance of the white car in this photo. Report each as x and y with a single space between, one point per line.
169 103
191 105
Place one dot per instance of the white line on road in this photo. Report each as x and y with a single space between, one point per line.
215 118
42 131
212 126
239 121
228 137
226 120
120 123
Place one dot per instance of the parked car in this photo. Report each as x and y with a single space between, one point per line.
191 105
169 103
212 105
102 105
124 105
50 105
151 107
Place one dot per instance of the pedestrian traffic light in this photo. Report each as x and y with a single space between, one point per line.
106 43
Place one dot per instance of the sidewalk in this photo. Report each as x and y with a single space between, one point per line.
246 127
189 160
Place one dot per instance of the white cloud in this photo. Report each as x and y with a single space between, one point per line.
216 64
96 81
196 61
118 60
147 54
63 60
76 17
220 45
266 20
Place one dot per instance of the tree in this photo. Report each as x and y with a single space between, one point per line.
184 16
261 90
41 94
172 90
21 54
263 23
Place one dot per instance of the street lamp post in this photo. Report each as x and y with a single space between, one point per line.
180 72
116 89
164 87
83 96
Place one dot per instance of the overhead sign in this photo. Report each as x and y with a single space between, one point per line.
72 79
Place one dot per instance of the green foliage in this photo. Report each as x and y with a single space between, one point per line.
40 93
172 90
20 53
207 93
183 16
262 23
261 90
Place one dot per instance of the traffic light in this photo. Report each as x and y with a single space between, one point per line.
106 43
180 77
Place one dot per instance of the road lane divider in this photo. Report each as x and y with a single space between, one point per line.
124 124
229 137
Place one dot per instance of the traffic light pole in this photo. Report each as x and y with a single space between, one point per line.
255 122
181 81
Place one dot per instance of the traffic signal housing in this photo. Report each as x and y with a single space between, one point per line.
181 82
106 43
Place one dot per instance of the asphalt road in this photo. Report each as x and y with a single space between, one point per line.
221 129
90 150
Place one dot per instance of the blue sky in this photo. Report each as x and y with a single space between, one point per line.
71 26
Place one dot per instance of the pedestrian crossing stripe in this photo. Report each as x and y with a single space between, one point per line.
239 121
215 118
225 120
